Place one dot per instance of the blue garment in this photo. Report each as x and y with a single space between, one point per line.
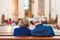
42 30
22 31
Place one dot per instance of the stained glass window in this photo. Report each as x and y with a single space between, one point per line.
26 4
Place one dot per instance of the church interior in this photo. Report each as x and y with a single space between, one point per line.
14 10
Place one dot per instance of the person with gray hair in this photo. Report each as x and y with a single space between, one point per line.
34 22
23 29
42 30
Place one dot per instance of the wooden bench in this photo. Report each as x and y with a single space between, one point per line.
29 38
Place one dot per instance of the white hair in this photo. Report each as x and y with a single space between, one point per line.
40 19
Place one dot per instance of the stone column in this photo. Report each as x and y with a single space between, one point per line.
15 10
21 8
35 7
41 7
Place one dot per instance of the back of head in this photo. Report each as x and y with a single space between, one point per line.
35 19
24 22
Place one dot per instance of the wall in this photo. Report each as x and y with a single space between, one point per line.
58 10
41 7
46 8
6 8
53 9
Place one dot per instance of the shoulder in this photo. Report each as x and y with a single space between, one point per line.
16 28
49 26
38 25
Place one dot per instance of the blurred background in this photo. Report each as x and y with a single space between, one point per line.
49 10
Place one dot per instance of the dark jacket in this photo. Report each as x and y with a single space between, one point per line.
42 30
22 31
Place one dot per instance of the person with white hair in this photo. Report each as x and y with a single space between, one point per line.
42 30
34 21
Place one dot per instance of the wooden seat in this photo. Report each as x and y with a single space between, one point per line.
29 38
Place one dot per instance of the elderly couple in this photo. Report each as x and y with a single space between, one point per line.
39 28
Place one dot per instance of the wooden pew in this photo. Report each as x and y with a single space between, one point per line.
29 38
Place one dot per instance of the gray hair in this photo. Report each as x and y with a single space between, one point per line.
25 22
